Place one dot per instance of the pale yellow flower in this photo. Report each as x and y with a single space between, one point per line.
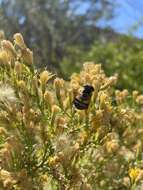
8 46
133 173
18 40
27 56
45 76
4 59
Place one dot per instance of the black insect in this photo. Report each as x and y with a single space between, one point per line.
82 101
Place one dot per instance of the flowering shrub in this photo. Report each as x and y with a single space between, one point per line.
115 55
125 52
46 143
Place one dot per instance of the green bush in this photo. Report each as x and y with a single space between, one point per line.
123 56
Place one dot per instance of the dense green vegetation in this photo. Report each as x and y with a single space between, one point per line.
123 56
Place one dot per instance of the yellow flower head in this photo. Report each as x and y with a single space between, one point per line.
58 83
48 97
53 161
18 40
135 94
133 173
112 146
21 84
45 76
8 46
139 99
27 56
55 109
18 67
4 58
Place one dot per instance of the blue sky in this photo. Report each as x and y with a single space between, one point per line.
128 14
128 17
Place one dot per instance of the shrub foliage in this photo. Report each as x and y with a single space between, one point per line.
125 57
46 143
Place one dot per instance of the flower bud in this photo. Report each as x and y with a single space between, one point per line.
3 131
83 137
111 81
135 94
133 173
7 179
48 97
21 84
60 122
139 99
112 146
18 67
75 147
53 161
45 76
18 39
4 58
140 176
27 56
103 99
55 109
88 66
35 85
97 120
87 78
4 174
8 46
58 83
86 186
126 182
44 178
60 125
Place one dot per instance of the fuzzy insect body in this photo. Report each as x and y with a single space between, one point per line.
82 101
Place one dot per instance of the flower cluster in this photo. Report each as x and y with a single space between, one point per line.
47 143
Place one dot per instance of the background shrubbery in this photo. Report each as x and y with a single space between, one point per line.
123 56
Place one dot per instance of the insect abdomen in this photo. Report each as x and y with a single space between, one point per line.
80 105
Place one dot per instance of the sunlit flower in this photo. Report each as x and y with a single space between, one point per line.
133 173
139 99
45 76
112 146
4 58
58 83
8 46
135 94
18 39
